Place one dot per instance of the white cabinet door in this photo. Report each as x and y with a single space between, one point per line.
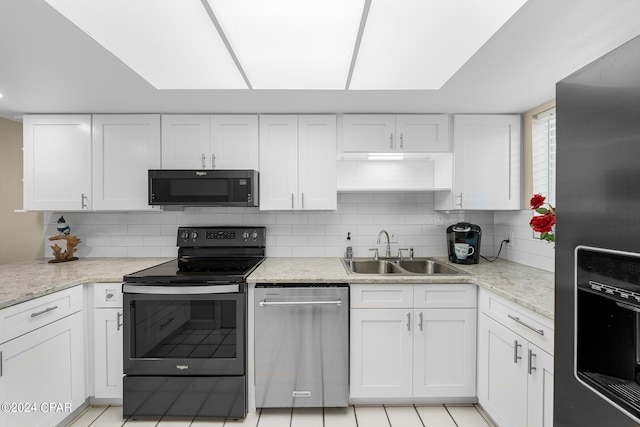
107 329
487 162
317 162
44 366
57 162
298 162
420 133
540 385
502 373
278 162
125 147
234 142
381 353
368 133
185 141
444 353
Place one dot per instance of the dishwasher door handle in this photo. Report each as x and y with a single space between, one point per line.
265 303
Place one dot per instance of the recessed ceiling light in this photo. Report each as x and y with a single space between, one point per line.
292 44
419 45
1 95
171 44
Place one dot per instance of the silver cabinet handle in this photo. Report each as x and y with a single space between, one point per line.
204 161
531 367
390 140
515 351
459 196
265 303
46 310
82 203
401 139
118 321
420 320
213 161
291 200
302 199
517 319
408 321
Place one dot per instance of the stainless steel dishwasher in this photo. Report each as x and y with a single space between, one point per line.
302 345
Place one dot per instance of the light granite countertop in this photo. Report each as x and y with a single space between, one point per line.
530 287
26 280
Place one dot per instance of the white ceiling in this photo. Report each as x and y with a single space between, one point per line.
48 65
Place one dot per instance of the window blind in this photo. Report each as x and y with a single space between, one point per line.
544 154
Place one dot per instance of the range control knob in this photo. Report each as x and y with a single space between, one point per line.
194 235
185 235
245 234
254 235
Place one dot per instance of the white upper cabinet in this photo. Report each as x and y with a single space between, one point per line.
202 141
402 133
57 162
185 141
486 165
125 147
298 162
234 141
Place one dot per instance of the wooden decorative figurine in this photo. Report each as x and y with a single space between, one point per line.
72 242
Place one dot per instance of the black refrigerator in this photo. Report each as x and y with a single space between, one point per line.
598 212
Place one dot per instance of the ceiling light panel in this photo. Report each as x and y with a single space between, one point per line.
171 44
291 44
420 44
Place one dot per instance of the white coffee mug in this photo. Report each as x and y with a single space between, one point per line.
463 250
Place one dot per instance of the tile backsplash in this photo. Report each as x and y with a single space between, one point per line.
307 234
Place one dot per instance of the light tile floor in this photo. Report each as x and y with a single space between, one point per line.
358 416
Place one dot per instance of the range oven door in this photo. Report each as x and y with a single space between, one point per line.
184 330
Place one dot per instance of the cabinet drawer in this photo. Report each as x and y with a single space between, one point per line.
535 327
444 296
107 295
381 296
27 316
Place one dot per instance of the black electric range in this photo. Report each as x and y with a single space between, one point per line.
185 321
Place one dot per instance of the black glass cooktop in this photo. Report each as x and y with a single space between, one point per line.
197 270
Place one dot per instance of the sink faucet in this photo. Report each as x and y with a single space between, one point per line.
388 253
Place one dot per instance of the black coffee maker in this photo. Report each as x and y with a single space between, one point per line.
463 243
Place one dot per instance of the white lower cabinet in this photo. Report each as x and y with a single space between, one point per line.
107 340
406 343
515 376
42 371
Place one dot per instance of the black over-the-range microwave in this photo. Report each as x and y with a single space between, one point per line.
215 187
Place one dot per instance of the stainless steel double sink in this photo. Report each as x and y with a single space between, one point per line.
402 267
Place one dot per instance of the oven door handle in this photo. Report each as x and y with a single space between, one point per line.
181 290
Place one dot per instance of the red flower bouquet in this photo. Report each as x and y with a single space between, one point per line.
545 222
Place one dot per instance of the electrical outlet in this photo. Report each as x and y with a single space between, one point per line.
393 236
510 239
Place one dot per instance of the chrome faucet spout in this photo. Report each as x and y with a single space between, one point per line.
388 252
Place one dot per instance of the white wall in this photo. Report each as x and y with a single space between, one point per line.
524 248
411 215
21 232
